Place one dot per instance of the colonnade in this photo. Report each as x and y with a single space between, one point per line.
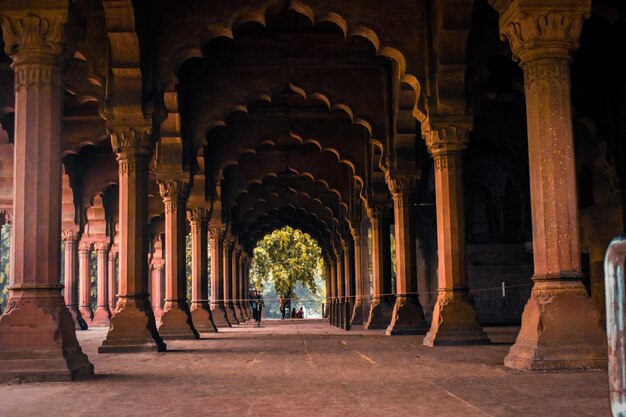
560 327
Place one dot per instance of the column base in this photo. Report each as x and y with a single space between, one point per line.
560 330
230 314
201 317
38 340
357 313
133 328
380 314
454 321
238 313
176 321
79 322
407 317
86 312
218 312
102 317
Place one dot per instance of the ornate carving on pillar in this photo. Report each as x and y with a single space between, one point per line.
562 330
382 301
200 309
176 321
102 315
37 334
407 316
133 327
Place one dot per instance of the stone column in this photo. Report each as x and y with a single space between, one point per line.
218 309
102 316
37 336
357 309
112 279
407 317
70 240
200 309
84 276
234 289
560 326
246 286
228 273
176 322
158 288
333 291
243 295
348 287
133 328
326 314
454 316
381 307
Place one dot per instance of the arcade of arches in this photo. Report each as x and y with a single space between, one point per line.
483 138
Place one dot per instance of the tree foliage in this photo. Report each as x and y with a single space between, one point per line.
286 257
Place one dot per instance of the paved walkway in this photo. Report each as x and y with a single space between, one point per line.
308 368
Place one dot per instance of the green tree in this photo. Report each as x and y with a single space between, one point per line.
284 258
4 265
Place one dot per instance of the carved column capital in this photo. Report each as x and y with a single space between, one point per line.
114 252
401 184
535 30
70 235
158 265
216 232
355 231
84 246
131 139
101 246
173 191
35 38
198 215
446 134
378 212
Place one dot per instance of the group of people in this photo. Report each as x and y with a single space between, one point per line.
257 305
284 310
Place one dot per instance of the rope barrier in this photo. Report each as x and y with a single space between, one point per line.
371 296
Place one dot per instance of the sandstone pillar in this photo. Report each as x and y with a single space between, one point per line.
357 310
235 283
70 240
112 279
158 288
228 273
454 316
102 316
84 276
176 322
339 254
37 334
218 309
407 316
243 295
381 307
560 326
133 328
200 309
333 291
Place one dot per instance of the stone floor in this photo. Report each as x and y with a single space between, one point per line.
308 368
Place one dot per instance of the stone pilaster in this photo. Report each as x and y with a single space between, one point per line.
341 283
382 303
228 273
333 291
243 295
176 321
560 326
133 328
407 316
84 277
218 309
347 286
454 316
102 316
200 309
70 241
326 311
357 309
37 334
112 279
